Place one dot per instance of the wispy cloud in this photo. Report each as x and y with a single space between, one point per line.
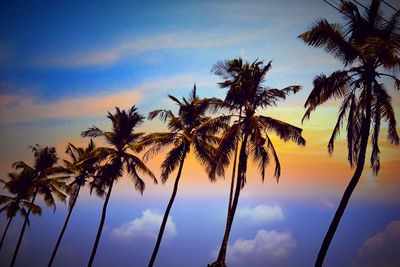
145 226
23 107
266 247
261 214
173 40
382 249
14 109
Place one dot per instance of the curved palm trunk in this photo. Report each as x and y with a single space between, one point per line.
220 262
165 218
5 232
234 169
23 230
352 184
53 255
103 217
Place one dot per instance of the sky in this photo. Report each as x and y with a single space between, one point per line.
63 65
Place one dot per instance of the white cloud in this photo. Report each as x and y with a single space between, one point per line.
381 249
146 226
326 204
261 214
266 247
173 40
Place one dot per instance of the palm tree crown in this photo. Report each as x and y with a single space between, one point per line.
116 158
191 128
247 94
368 46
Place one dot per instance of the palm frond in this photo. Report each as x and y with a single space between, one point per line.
330 37
326 88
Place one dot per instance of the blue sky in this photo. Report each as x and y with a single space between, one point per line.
64 64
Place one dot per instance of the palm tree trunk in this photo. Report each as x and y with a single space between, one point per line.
5 232
165 218
23 230
231 214
53 255
366 123
234 169
103 217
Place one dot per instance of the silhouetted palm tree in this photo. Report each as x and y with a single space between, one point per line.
17 185
367 45
42 182
81 167
253 131
117 158
192 128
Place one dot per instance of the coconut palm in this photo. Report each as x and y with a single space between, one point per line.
81 167
368 46
191 128
253 131
117 158
18 202
41 182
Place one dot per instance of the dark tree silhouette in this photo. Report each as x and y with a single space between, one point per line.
80 168
42 181
246 91
192 128
117 159
17 185
368 46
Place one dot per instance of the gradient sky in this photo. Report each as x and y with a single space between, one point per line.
63 65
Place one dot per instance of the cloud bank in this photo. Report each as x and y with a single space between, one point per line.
381 249
261 214
147 226
267 247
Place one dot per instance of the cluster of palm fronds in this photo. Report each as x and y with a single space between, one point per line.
368 46
213 138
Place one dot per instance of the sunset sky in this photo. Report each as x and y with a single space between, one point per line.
64 64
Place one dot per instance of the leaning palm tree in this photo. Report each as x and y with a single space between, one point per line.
368 46
191 128
18 202
253 132
116 158
41 182
81 167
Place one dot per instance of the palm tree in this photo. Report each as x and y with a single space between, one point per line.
42 182
191 128
368 46
81 167
253 132
18 202
117 158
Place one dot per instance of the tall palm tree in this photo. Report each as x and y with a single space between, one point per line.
19 202
368 46
117 159
191 128
253 131
81 167
41 181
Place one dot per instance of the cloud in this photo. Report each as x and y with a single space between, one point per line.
172 40
381 249
261 214
266 247
146 226
23 108
326 203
